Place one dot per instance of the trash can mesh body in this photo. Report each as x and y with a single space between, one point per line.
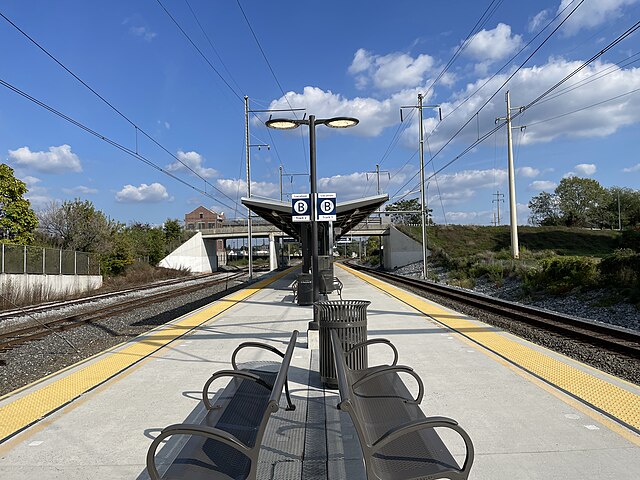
349 319
305 289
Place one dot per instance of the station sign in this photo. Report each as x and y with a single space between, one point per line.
326 207
300 207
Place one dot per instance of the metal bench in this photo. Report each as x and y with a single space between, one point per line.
398 441
294 290
226 443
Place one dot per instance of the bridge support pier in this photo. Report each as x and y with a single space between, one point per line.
273 255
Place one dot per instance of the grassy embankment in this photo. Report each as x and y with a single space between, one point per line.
552 260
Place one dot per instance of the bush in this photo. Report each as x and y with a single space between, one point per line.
562 274
622 269
630 239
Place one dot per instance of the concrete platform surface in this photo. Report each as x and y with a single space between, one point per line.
522 428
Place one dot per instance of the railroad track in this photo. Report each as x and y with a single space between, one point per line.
610 337
13 337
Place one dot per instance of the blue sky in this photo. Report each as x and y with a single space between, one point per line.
361 59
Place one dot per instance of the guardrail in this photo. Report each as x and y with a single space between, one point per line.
25 259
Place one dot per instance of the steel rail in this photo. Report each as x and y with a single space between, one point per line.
611 337
12 338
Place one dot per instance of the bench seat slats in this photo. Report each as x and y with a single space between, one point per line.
226 442
398 441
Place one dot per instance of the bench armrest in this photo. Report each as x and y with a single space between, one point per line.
394 369
191 429
372 342
429 422
230 373
264 346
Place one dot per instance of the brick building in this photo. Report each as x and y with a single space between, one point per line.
203 219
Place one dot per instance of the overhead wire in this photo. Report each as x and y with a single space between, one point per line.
108 140
499 89
273 73
109 104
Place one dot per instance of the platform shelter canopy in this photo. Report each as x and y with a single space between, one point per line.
349 213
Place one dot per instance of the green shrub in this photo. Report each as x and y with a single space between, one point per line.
622 269
630 239
562 274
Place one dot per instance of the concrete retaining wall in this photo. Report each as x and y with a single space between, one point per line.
196 254
400 250
47 286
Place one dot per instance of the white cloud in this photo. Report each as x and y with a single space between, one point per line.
489 46
374 115
56 160
237 187
194 161
586 169
549 119
528 172
537 21
153 193
635 168
143 32
543 185
80 189
392 71
592 13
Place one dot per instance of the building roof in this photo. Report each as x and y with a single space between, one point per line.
349 214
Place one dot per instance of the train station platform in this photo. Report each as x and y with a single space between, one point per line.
531 413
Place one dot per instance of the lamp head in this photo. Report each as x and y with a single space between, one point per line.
282 124
341 122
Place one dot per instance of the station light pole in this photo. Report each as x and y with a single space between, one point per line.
312 121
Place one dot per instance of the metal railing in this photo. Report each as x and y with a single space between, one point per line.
25 259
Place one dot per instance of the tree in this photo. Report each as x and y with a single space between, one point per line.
407 218
77 225
148 242
544 210
17 219
172 234
581 201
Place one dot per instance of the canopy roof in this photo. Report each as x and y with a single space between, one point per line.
349 214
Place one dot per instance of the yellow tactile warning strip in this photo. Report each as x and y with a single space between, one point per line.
616 402
23 412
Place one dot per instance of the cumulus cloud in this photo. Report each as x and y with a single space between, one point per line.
564 116
233 187
194 161
635 168
488 46
374 115
80 189
56 160
585 169
528 172
392 71
543 185
591 14
153 193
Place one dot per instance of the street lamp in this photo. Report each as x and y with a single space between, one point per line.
312 121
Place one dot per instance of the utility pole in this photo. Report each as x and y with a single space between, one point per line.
420 106
515 250
377 173
248 147
497 201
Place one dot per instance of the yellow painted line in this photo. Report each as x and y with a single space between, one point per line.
606 397
24 411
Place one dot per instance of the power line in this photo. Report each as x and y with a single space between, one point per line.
113 107
108 140
200 51
499 88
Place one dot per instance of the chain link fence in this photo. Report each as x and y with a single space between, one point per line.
21 259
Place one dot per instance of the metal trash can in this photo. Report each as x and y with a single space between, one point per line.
326 281
349 319
305 289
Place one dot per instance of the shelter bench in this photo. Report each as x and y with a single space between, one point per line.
226 443
397 440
